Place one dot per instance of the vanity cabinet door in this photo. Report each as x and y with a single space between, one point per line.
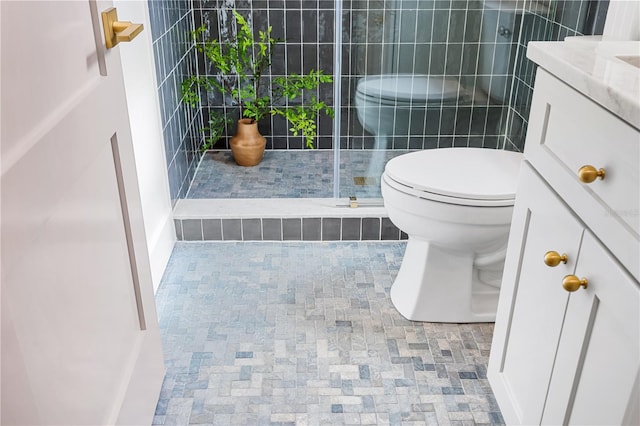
598 357
561 357
532 303
568 131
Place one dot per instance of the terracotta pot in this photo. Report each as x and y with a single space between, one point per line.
248 144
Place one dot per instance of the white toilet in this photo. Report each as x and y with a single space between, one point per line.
455 204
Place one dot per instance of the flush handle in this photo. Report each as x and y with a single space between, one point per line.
588 174
504 31
116 31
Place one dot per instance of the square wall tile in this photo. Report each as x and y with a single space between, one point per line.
311 229
331 228
212 229
178 226
192 229
251 230
351 228
389 230
291 229
231 229
371 228
272 229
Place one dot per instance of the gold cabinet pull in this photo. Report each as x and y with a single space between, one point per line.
116 31
572 283
553 258
588 174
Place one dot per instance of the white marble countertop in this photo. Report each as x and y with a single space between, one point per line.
595 69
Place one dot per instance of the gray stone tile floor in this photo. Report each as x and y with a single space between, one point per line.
258 333
291 174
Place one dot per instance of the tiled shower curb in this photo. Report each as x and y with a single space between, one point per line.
281 220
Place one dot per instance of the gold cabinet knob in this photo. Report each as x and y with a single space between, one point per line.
572 283
588 174
553 258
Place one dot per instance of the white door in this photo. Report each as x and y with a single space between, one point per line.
80 340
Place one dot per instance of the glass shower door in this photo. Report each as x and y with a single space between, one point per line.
368 49
414 78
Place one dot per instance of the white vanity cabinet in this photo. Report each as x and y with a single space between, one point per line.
561 356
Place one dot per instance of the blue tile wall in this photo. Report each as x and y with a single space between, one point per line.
440 38
307 28
288 229
171 21
564 18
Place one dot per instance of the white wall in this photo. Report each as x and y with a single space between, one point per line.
146 129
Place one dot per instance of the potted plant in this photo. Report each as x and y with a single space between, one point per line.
240 64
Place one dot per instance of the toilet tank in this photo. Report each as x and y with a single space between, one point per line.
498 43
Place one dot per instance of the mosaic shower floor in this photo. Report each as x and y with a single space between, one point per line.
305 334
291 174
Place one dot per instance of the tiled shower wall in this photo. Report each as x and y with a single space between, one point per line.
307 28
452 39
562 18
437 37
171 21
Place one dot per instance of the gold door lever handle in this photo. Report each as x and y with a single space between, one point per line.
116 31
126 31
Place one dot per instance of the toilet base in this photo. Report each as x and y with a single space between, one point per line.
437 285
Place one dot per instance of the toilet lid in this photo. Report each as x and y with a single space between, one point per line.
477 175
409 87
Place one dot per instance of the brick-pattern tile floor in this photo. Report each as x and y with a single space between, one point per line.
291 174
305 334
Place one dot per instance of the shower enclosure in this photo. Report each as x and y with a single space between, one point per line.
426 74
409 75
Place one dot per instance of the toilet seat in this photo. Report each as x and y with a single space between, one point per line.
378 102
394 89
439 175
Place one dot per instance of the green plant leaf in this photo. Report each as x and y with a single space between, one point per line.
239 64
215 130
